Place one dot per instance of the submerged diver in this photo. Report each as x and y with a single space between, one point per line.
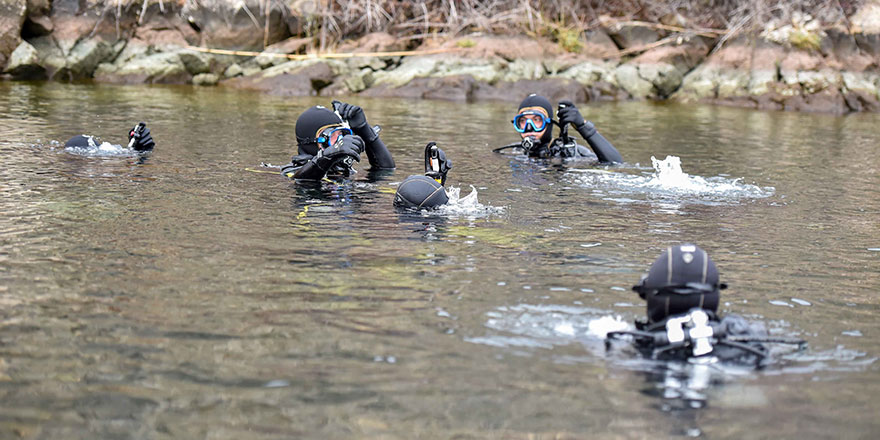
329 141
534 124
426 191
682 290
139 139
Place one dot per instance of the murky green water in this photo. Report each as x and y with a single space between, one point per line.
185 297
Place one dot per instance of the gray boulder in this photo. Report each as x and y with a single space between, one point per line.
449 88
294 78
232 71
521 69
85 55
51 58
410 67
164 68
664 77
701 83
485 70
195 62
359 81
24 63
590 72
237 25
37 22
555 89
627 76
630 36
12 15
598 44
205 79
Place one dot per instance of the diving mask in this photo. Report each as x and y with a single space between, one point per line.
530 121
328 136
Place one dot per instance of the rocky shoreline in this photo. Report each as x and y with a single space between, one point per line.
800 66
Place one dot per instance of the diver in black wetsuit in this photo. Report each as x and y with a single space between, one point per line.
329 141
139 139
682 290
533 122
426 191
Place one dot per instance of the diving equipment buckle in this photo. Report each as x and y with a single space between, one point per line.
694 327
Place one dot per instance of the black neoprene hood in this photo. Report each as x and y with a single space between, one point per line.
308 124
683 277
534 100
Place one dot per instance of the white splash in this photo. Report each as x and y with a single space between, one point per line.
105 149
606 324
467 206
668 182
548 325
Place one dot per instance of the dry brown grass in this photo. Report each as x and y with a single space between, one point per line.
331 21
418 19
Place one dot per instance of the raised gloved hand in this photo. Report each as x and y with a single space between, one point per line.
357 120
436 163
351 113
569 114
347 149
139 138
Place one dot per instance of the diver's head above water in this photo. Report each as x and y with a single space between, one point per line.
682 278
318 128
533 119
139 140
426 191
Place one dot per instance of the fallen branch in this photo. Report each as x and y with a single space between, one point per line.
311 56
705 32
653 45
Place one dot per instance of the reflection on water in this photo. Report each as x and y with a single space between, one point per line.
186 297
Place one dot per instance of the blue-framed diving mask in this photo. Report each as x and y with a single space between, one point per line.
330 135
530 121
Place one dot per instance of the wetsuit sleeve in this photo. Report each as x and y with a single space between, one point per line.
309 171
377 152
301 167
603 149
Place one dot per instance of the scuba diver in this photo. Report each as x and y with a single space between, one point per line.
426 191
328 142
139 140
682 290
534 124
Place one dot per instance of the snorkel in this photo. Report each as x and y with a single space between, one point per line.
347 161
135 134
434 164
567 142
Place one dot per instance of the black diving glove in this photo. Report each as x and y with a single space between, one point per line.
347 149
139 138
569 114
356 119
436 163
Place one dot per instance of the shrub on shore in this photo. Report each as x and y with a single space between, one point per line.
561 20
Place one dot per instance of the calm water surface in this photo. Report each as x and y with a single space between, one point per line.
183 296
